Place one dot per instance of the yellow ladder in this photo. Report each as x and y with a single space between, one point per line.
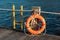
14 20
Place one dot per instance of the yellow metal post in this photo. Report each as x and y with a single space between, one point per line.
21 15
14 21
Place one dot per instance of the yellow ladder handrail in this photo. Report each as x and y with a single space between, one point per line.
14 21
21 15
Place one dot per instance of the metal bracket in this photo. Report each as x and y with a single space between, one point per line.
36 10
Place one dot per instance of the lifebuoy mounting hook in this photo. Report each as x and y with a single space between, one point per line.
36 10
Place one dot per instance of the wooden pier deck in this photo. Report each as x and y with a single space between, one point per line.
6 34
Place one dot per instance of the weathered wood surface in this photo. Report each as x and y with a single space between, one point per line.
6 34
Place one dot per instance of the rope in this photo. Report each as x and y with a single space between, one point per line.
50 12
2 9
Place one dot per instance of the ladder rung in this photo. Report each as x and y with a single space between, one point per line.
18 23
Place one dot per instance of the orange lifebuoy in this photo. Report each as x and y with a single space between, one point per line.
35 32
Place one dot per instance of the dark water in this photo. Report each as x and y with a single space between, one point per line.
52 20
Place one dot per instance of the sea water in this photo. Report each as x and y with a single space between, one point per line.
52 20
